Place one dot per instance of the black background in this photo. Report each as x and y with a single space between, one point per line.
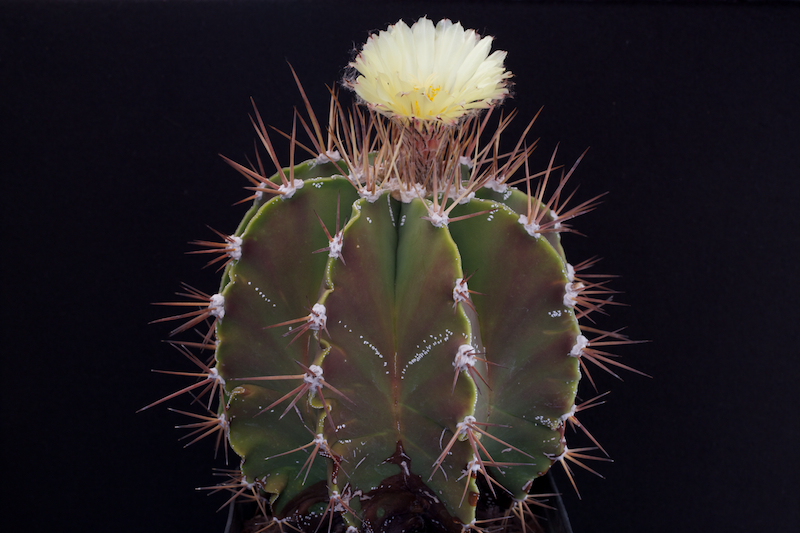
113 115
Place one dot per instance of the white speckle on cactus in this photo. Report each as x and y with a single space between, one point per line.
330 156
373 348
391 212
288 190
572 290
216 305
402 220
317 319
438 220
531 227
554 314
336 245
261 293
426 348
497 184
581 342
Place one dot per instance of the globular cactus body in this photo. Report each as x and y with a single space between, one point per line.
394 317
391 346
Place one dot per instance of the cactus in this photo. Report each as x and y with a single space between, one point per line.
395 322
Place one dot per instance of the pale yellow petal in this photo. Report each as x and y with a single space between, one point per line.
429 72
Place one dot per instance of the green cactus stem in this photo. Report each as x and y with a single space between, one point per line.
396 326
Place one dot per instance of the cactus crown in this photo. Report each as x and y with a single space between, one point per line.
396 325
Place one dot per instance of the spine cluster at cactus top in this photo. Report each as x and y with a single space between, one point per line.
396 322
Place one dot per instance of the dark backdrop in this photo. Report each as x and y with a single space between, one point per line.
113 115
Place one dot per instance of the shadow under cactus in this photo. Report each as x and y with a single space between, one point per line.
404 506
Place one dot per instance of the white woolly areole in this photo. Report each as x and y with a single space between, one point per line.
406 191
287 191
336 245
475 463
497 184
416 190
572 290
357 177
558 457
330 156
465 357
464 160
339 506
531 227
570 272
428 72
235 248
317 319
438 220
461 190
371 197
557 224
472 467
460 291
466 424
569 414
213 375
351 529
581 342
316 377
216 305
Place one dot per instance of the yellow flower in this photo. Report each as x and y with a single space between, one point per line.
429 73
